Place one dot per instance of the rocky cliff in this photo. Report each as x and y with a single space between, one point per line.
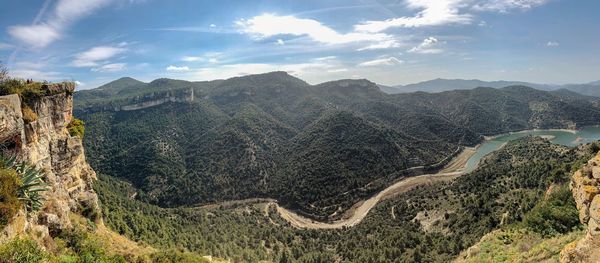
47 144
585 186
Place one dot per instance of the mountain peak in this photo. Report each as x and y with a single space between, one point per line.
119 84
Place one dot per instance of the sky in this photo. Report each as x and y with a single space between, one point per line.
389 42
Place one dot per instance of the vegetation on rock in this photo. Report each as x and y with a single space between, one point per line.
76 128
30 180
22 251
9 199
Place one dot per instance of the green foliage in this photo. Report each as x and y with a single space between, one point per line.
31 183
28 114
76 127
557 214
315 148
22 251
9 199
509 182
80 246
174 256
29 90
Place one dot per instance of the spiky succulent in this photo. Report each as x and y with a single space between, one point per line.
31 185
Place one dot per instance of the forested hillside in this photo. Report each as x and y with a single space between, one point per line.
429 224
316 148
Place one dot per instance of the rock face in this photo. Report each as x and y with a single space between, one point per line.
585 186
46 143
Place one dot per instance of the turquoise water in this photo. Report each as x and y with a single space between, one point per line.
571 139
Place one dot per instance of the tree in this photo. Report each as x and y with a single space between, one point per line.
3 72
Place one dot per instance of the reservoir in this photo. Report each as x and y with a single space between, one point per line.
570 138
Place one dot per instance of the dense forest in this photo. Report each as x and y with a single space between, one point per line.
429 224
317 149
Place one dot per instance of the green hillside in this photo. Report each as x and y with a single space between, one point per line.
317 148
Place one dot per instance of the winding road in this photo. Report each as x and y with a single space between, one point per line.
360 210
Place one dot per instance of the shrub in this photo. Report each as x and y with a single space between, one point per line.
31 182
173 256
76 128
9 200
29 90
28 114
84 247
22 251
555 215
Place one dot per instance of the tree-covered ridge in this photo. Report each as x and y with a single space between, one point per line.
316 148
432 223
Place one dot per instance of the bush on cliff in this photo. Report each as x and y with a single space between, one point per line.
29 90
22 251
76 128
30 182
9 200
28 114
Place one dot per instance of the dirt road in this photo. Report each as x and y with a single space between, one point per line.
360 210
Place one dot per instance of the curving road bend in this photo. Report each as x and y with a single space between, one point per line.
360 210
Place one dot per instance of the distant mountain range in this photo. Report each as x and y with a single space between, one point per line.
439 85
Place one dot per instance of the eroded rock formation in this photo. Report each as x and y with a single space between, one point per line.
47 144
585 186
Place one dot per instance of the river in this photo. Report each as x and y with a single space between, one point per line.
570 138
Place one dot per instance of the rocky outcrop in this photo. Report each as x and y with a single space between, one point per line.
47 144
585 186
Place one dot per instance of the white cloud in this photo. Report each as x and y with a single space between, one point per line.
192 59
35 74
269 25
433 13
482 23
65 12
390 61
4 46
443 12
280 42
95 55
552 44
178 69
210 57
213 25
506 5
428 46
114 67
381 45
36 35
79 84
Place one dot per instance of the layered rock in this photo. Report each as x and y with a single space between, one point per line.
47 144
585 186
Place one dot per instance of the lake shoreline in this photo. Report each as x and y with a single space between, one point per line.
491 137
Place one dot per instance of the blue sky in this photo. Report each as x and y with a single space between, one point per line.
387 41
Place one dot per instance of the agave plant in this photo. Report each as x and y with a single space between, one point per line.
32 184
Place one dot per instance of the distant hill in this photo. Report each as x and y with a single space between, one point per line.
590 89
317 149
439 85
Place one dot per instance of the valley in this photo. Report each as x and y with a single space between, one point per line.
354 131
465 162
317 149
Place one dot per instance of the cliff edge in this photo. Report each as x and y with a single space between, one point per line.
585 186
46 143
